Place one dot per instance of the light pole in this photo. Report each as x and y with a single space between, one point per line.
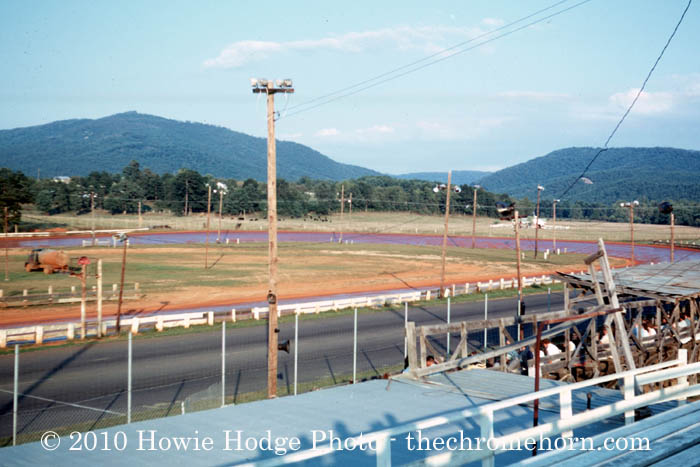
667 208
222 189
206 243
631 206
554 225
437 189
476 188
540 188
269 88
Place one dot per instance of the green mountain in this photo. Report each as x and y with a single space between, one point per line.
618 174
78 147
459 177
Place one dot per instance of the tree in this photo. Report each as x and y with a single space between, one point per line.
15 189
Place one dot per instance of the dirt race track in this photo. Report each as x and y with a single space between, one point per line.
326 272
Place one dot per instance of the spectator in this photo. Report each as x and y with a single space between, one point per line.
604 338
525 355
548 348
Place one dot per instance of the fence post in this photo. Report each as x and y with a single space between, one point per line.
486 318
233 315
405 323
223 364
15 391
354 351
128 379
99 298
296 347
448 327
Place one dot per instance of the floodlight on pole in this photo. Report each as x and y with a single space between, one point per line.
267 87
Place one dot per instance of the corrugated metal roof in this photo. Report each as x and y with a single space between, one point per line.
347 410
675 280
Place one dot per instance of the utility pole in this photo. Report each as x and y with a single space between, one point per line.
630 206
99 297
92 215
7 270
268 87
673 239
342 208
476 188
125 240
517 250
140 218
221 206
554 225
350 205
206 243
444 235
537 219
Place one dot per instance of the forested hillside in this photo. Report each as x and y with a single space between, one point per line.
459 177
81 146
653 174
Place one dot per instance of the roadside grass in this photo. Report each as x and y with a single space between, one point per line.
164 268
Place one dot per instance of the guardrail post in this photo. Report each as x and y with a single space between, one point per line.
628 392
466 287
186 325
3 338
486 426
683 380
39 333
210 318
70 331
233 315
135 325
159 324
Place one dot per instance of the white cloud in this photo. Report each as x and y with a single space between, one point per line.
534 95
328 132
376 130
647 104
427 39
493 22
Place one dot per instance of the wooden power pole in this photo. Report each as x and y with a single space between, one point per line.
7 270
673 239
476 188
517 250
537 218
554 226
92 216
125 240
444 235
342 208
206 243
268 87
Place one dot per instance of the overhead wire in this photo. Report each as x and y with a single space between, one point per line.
428 57
376 83
634 101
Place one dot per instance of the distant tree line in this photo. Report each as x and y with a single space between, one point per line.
186 192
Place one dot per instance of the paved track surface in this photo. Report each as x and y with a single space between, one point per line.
169 370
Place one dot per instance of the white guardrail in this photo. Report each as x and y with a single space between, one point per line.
677 370
40 333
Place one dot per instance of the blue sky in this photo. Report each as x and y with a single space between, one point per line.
562 82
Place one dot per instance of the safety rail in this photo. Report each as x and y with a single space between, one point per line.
675 369
41 332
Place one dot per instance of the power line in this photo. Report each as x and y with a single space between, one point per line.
395 70
433 62
634 101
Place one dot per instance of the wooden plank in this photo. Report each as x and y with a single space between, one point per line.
411 349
